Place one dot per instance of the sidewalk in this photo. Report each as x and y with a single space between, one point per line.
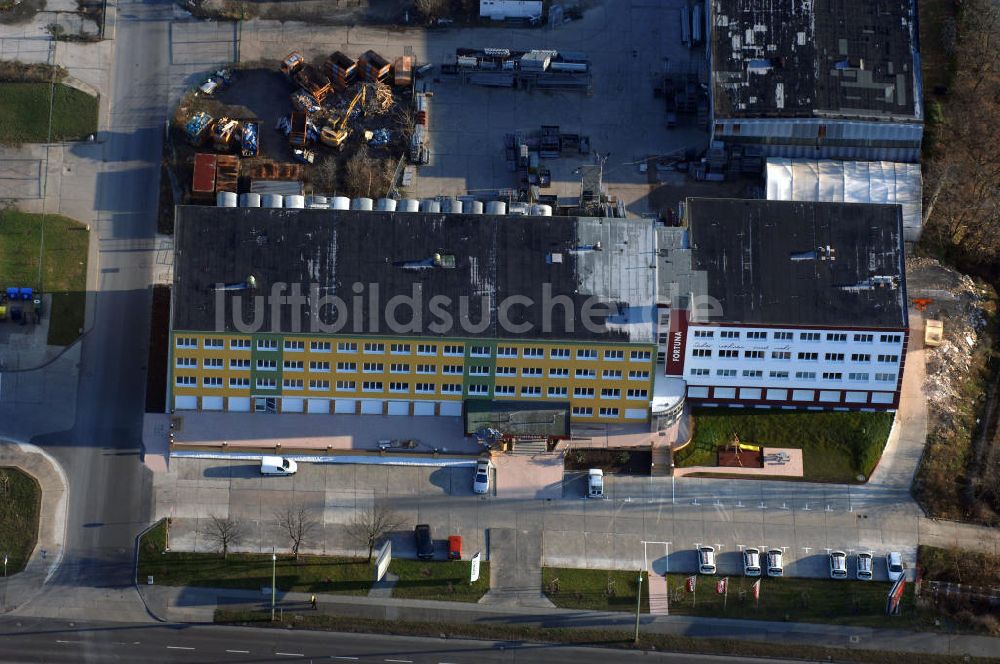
966 536
199 604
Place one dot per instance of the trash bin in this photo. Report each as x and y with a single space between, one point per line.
455 547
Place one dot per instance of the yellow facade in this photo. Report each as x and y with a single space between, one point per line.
300 366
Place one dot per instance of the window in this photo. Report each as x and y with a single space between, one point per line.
186 342
701 352
319 366
267 344
782 336
808 357
399 349
583 411
558 392
583 392
347 347
834 357
374 348
805 375
371 386
725 373
453 349
480 351
611 393
213 363
239 383
614 355
561 372
319 385
864 338
347 367
424 388
729 334
293 365
399 368
888 358
186 381
586 354
611 374
756 335
699 372
638 394
836 336
857 376
809 336
399 387
451 369
373 367
531 391
479 370
426 369
292 383
890 338
239 344
861 357
609 412
451 388
703 334
832 375
559 353
506 351
781 355
753 354
319 346
505 390
729 353
506 371
191 362
586 374
532 372
478 388
295 346
638 375
639 355
427 349
267 365
214 342
885 377
346 386
239 364
266 383
780 375
753 373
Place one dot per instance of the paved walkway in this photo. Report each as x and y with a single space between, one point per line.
18 589
778 462
515 568
966 536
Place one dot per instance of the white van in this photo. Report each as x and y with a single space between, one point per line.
276 465
595 483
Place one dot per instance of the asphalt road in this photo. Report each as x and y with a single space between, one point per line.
42 640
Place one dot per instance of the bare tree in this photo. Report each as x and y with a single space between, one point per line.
372 524
431 8
326 175
365 175
298 522
224 533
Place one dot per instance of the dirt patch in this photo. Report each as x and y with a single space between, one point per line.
620 462
13 12
329 12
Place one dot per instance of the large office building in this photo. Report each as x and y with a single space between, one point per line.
822 79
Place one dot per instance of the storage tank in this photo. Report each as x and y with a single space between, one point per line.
451 206
496 207
226 199
250 200
541 210
340 203
474 207
430 205
386 205
409 205
295 202
519 208
271 200
319 202
364 204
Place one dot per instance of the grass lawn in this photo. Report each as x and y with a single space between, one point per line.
24 113
441 580
20 500
64 266
836 446
322 574
786 599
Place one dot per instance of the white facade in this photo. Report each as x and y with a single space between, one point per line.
793 366
498 10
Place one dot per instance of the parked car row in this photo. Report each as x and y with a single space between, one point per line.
773 566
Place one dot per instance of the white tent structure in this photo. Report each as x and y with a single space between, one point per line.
849 182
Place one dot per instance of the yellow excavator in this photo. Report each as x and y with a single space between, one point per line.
336 132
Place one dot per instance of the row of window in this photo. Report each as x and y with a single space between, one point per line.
587 411
799 375
838 337
787 355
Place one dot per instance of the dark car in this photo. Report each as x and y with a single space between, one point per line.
425 545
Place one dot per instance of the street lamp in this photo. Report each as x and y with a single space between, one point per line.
274 564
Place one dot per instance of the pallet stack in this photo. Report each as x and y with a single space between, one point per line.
373 67
341 70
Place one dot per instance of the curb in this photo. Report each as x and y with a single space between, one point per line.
135 572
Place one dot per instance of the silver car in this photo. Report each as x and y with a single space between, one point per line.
481 482
865 566
774 564
894 565
751 561
838 565
706 560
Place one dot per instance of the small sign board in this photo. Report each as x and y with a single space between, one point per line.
383 560
474 568
149 579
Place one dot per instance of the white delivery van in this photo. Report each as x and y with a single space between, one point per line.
276 465
595 483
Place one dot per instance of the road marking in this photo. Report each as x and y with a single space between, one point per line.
239 652
339 657
290 654
61 641
401 661
179 648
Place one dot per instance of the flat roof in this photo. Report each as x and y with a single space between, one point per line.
800 263
229 260
848 59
